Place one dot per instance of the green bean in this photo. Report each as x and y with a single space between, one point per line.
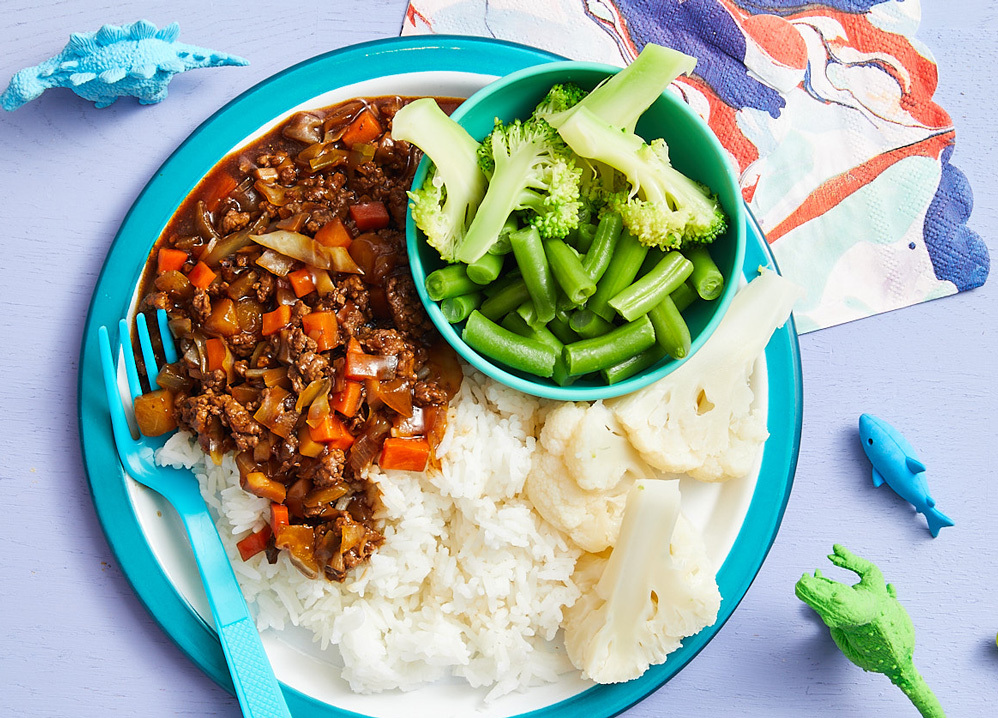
506 300
528 312
516 324
598 257
559 326
588 355
457 309
502 245
671 331
486 268
529 252
523 353
568 271
584 237
645 293
449 281
506 279
588 324
654 256
623 268
683 296
706 278
635 365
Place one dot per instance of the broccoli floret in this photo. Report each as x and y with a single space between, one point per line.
561 97
532 170
622 99
664 208
444 206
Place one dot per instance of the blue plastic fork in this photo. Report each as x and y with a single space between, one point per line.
257 689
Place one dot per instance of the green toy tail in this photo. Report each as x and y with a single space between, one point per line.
914 686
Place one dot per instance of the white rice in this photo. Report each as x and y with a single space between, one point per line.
470 581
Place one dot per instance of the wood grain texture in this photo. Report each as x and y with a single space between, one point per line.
77 641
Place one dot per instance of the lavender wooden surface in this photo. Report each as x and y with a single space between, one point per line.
76 641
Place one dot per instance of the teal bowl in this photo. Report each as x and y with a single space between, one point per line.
693 149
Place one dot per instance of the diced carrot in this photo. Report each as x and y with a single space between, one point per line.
404 454
170 260
369 216
217 188
334 234
369 366
154 412
332 432
301 282
278 517
354 347
201 276
254 543
347 401
323 328
364 128
259 484
276 320
216 350
308 446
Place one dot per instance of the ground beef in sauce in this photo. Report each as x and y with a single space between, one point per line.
303 371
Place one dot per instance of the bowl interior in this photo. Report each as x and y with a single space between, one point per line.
693 149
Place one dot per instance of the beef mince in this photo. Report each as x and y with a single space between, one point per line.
305 371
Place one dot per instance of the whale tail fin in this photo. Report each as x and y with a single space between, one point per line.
937 520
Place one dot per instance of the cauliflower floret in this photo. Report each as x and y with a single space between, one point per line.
591 519
656 588
702 419
581 473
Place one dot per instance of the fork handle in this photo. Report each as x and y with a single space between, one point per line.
257 688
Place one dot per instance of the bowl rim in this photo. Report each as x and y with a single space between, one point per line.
540 387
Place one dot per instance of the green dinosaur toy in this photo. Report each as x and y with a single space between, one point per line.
869 625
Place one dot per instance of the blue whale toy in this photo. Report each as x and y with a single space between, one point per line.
894 462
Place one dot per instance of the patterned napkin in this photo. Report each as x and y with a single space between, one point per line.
826 109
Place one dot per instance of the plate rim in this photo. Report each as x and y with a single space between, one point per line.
114 509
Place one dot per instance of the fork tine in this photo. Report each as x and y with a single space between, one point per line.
119 424
148 357
134 386
169 348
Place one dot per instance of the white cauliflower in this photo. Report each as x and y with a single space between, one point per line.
581 472
656 588
702 419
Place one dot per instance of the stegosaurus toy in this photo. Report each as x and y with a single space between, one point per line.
134 60
869 625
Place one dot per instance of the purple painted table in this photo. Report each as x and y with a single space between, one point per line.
77 641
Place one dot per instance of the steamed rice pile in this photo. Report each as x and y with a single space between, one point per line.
470 581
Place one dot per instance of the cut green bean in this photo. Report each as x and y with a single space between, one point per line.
501 245
486 268
635 365
559 326
503 281
568 271
505 300
706 277
620 273
584 237
528 312
638 298
604 243
449 281
588 324
495 342
529 252
671 332
587 355
457 309
683 296
516 324
654 256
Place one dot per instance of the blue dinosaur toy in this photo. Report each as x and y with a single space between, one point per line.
894 462
134 60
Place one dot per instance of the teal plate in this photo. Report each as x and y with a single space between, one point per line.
208 144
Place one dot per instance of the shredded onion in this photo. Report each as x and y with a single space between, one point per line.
307 250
